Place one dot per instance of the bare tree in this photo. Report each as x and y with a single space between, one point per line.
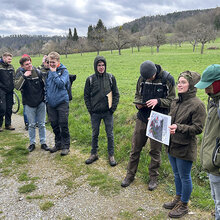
82 44
159 37
151 42
205 34
120 38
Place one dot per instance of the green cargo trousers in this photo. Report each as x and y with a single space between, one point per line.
139 140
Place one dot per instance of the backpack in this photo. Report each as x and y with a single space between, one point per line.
69 88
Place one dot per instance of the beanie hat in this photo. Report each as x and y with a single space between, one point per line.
147 69
210 75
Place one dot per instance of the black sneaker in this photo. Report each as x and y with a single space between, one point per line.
45 147
64 152
55 149
92 158
31 147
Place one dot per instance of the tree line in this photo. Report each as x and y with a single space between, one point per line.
197 28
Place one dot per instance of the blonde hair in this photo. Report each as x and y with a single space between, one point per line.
54 55
7 54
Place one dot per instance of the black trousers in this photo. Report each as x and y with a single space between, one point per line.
6 102
58 118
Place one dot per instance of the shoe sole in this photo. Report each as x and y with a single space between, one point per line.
177 216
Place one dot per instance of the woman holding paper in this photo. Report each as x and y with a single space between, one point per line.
187 120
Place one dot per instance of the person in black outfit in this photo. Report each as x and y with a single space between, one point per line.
6 90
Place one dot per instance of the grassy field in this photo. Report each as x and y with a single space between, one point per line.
126 70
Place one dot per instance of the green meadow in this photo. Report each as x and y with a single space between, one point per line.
126 70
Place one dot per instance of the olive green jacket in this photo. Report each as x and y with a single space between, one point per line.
211 137
188 113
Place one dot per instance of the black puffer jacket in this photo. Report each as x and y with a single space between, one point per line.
6 77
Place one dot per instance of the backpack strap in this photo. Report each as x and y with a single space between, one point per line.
91 78
167 77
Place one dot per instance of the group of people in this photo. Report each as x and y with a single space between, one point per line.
46 88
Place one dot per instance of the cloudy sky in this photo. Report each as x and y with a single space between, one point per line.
55 17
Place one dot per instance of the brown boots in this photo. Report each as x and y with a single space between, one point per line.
170 205
179 209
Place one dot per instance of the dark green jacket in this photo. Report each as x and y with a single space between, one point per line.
210 136
188 113
96 88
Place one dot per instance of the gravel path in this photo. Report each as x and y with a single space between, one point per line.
82 202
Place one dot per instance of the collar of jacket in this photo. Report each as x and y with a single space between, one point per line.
185 96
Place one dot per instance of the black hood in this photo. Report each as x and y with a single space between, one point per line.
96 61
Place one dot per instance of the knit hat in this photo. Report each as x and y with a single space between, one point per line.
147 69
210 75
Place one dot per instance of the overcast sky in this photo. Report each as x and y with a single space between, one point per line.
55 17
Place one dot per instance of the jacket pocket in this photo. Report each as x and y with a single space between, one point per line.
179 150
181 139
216 154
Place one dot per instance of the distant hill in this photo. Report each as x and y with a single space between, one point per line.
171 18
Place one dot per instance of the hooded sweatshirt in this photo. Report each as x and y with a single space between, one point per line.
96 89
188 113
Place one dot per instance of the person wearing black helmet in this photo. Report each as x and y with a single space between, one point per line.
154 91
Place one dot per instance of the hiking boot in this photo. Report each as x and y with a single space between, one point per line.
112 161
55 149
92 158
31 147
152 184
1 129
171 205
64 152
127 181
9 128
45 147
179 210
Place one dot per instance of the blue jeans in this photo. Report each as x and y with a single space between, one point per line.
182 174
25 116
38 113
108 120
215 191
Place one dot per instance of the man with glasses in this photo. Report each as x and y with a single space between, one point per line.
154 91
30 81
101 98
